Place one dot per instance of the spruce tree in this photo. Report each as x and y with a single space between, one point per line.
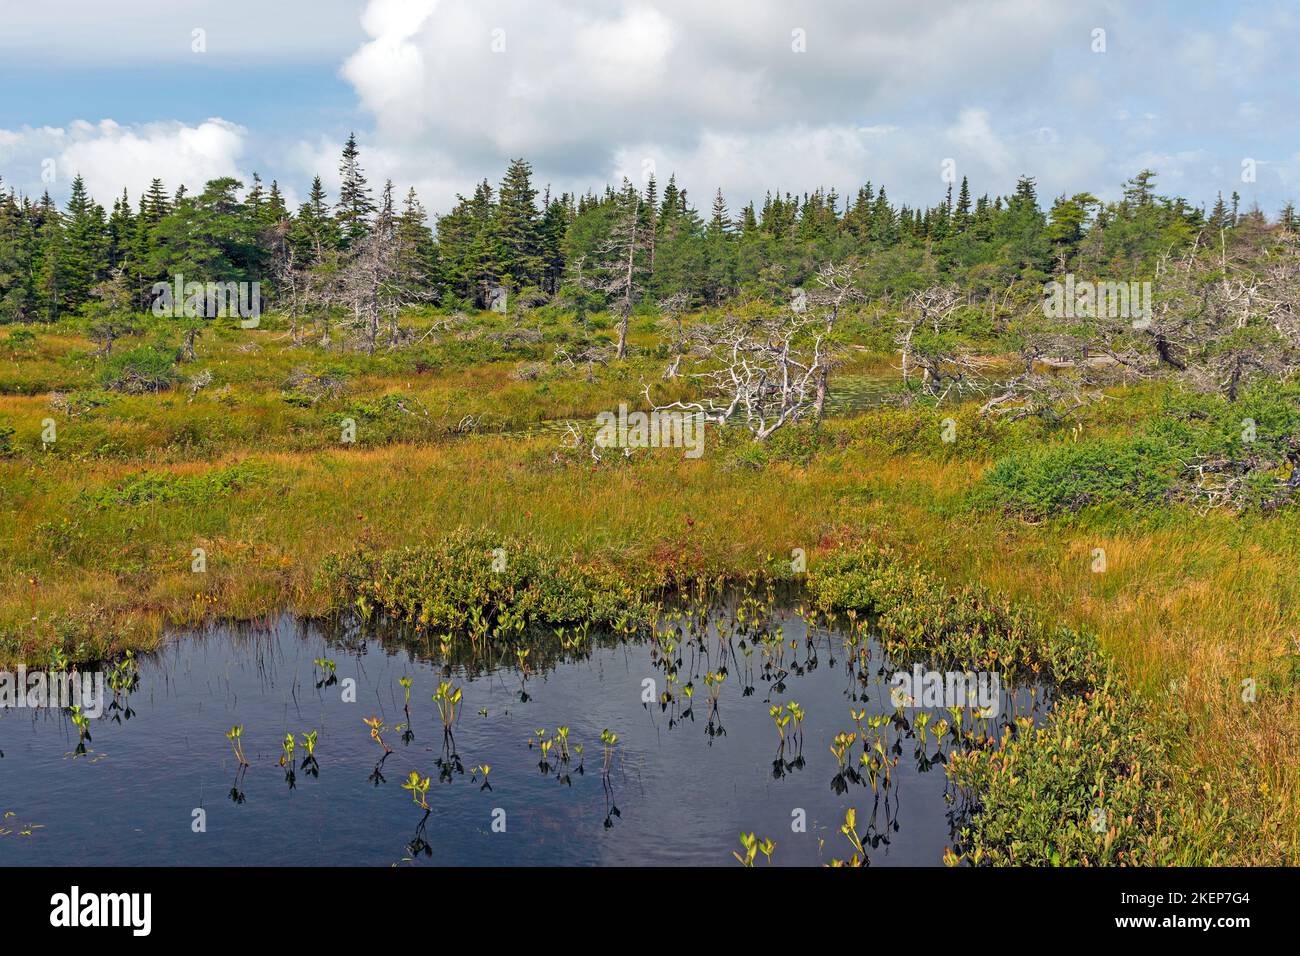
961 216
17 264
720 222
355 206
313 234
518 229
84 259
417 261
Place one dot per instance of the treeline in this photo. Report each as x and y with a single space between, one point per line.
622 246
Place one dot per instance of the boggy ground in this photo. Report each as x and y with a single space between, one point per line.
1193 611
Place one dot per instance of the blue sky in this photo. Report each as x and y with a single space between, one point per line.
748 96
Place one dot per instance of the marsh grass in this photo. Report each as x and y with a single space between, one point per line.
97 531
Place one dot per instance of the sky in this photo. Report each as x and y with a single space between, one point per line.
749 96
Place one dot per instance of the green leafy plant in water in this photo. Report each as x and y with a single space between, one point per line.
405 728
840 747
308 743
377 728
82 723
419 787
286 748
610 742
921 722
448 698
562 738
328 669
781 719
713 681
849 829
125 673
405 684
752 846
235 735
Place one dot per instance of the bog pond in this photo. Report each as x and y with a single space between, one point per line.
738 717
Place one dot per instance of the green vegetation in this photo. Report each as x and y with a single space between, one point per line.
1100 504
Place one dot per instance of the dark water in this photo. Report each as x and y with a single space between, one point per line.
682 792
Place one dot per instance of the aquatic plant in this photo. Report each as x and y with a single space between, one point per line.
713 681
235 736
125 674
840 747
752 846
484 770
921 722
610 742
286 755
448 698
562 738
82 723
309 764
688 691
377 728
780 718
405 684
849 829
405 727
419 787
328 669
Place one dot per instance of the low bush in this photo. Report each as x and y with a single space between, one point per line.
147 368
1089 786
1063 478
479 585
158 488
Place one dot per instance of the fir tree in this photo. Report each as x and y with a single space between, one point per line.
518 237
355 207
962 213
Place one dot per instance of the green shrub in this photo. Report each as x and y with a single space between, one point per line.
1064 478
1248 441
155 488
1091 785
147 368
478 584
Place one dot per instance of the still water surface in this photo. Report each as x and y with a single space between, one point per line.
679 790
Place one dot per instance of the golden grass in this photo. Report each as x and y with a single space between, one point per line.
1189 608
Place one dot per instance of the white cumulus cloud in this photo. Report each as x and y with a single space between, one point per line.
110 156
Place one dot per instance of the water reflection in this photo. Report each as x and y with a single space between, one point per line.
742 714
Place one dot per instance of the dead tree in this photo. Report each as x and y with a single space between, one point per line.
371 286
1057 376
927 341
762 372
672 308
616 268
837 290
